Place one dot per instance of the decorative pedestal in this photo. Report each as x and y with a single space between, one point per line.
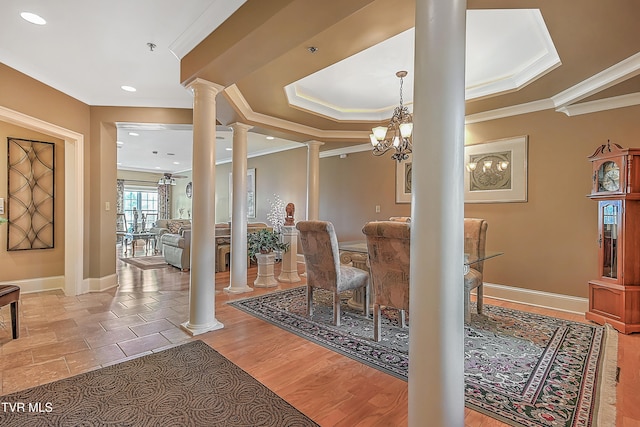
266 278
289 273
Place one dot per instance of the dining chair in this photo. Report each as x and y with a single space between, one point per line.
388 245
475 239
324 270
121 227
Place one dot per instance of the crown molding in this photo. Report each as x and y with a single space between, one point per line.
217 12
500 113
601 104
613 75
346 150
235 97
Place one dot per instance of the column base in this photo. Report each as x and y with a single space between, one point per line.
289 277
238 289
197 330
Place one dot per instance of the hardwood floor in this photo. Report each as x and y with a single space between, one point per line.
63 336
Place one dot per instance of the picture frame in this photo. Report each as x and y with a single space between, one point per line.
496 171
251 193
403 180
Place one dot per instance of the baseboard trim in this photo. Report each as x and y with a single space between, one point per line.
550 300
102 283
39 284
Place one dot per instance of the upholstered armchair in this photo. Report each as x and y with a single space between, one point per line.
475 239
322 259
388 244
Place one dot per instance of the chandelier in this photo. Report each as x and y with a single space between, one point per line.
397 134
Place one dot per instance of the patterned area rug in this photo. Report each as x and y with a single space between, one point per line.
147 262
522 368
188 385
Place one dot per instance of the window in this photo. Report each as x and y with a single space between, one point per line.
145 201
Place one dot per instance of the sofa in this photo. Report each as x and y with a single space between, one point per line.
176 248
173 226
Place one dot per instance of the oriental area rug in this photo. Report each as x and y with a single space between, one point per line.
187 385
521 368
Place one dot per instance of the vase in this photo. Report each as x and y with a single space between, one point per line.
266 277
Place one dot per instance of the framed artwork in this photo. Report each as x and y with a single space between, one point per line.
31 194
496 171
403 180
251 193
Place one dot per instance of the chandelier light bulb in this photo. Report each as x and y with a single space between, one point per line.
471 166
373 139
406 129
380 132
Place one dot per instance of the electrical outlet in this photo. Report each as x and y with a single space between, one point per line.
377 208
107 206
1 205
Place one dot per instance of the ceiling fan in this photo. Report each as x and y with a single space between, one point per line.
169 179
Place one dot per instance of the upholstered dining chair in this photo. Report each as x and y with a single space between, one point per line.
475 240
388 245
322 259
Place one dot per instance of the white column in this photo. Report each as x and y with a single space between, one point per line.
289 272
436 346
238 257
202 278
313 179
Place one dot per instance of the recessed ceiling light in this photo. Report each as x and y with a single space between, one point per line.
119 164
33 18
134 134
270 137
157 167
119 142
176 163
228 149
128 88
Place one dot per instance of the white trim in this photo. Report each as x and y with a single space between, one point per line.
613 75
235 97
101 284
38 284
266 151
500 113
601 104
217 12
535 298
346 150
74 283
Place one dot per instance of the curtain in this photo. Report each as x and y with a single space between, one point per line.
164 202
119 196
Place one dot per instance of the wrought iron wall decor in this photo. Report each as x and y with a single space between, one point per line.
31 194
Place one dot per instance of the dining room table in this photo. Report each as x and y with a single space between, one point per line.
355 252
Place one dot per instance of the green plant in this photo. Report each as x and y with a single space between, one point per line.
264 241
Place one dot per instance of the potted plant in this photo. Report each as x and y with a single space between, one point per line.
260 246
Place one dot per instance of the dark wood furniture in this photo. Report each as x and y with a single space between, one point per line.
614 297
10 294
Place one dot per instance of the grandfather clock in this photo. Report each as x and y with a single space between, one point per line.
614 297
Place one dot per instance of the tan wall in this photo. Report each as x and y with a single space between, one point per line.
550 241
37 263
33 98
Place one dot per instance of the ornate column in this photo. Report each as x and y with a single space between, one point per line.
238 257
436 381
202 281
289 272
313 179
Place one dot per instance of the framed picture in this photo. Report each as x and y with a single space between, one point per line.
496 171
251 193
403 180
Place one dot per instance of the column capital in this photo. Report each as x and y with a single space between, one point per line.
204 84
314 143
240 126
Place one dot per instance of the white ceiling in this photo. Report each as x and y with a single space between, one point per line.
90 48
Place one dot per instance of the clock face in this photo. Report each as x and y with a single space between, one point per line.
609 177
